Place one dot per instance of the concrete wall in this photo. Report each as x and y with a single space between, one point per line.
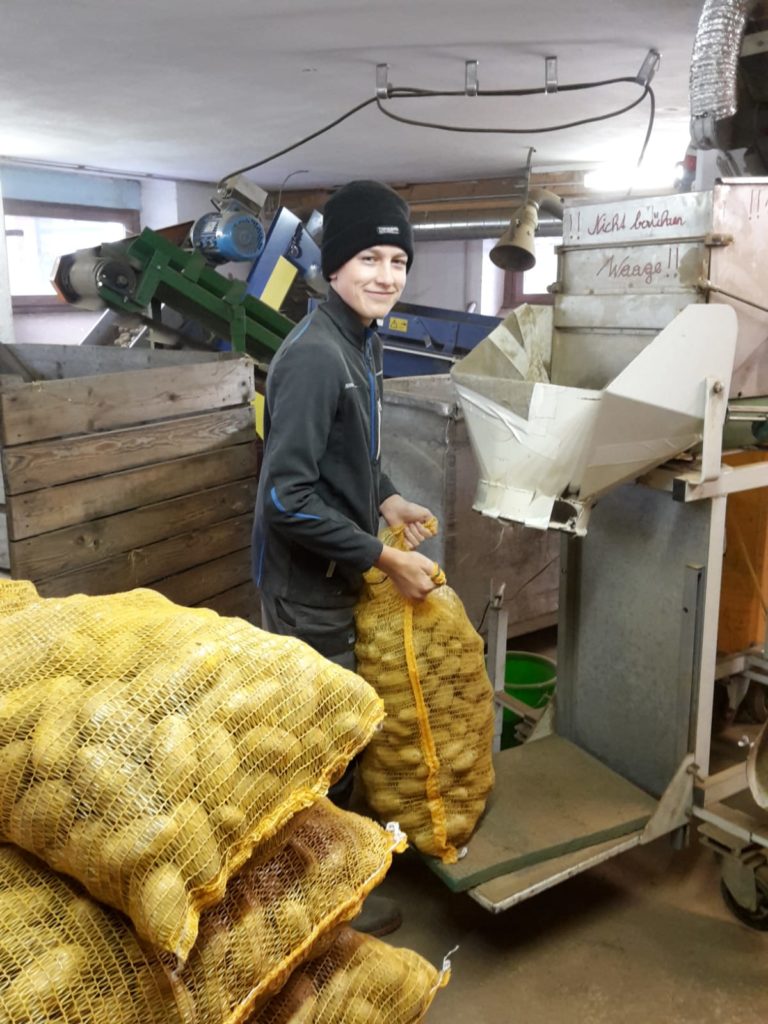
454 274
6 310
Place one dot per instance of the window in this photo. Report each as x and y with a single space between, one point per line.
532 285
38 233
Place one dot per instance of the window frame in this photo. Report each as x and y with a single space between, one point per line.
65 211
515 296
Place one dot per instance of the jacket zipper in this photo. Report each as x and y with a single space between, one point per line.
372 395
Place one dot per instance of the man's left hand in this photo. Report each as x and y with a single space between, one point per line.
399 512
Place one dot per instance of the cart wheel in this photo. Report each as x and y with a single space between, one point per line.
756 702
757 919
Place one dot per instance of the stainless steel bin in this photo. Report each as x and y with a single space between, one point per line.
426 451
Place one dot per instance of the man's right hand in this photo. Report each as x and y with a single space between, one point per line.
410 572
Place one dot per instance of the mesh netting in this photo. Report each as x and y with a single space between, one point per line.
146 749
429 768
65 958
301 884
359 980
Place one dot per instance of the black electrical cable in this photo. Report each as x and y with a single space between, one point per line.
406 92
295 145
516 131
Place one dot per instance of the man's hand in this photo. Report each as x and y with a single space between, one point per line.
410 572
399 512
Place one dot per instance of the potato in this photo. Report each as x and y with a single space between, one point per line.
18 712
385 756
174 757
107 780
41 987
218 772
408 714
46 809
195 847
393 727
122 850
158 903
227 821
412 788
15 775
411 755
333 999
80 853
269 748
110 717
293 922
386 802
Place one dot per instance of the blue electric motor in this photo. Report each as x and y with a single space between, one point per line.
228 235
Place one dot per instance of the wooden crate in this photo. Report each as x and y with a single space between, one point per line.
124 468
742 620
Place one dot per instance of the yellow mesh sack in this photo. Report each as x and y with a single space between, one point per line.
66 958
147 749
14 594
276 913
429 768
359 980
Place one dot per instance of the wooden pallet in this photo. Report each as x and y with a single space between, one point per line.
125 469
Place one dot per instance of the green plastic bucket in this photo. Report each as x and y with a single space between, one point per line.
531 679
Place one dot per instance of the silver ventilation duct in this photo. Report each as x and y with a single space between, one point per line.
434 226
714 65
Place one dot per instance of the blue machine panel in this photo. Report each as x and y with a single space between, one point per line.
423 340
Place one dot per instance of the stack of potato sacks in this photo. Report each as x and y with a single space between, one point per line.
167 854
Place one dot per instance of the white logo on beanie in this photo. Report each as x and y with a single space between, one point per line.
388 230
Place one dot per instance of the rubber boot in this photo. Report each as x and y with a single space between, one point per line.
379 916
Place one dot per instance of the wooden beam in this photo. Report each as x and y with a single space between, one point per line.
74 547
58 408
478 193
165 560
54 508
29 467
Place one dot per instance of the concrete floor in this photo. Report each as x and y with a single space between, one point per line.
642 939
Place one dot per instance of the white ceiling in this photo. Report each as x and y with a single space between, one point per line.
194 89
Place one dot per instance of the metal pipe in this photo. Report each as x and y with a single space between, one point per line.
432 226
714 67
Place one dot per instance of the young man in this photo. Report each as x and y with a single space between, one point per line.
321 490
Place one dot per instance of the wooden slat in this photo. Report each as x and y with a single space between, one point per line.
241 601
196 585
141 567
51 554
54 508
48 463
56 362
82 405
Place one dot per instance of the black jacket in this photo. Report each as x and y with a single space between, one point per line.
317 508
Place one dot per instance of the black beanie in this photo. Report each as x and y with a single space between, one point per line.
360 215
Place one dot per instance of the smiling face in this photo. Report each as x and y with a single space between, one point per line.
372 281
